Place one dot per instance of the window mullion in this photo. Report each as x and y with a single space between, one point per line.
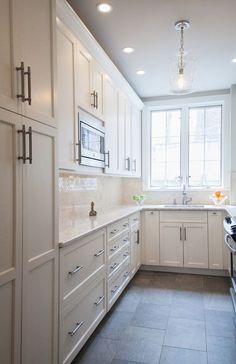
184 143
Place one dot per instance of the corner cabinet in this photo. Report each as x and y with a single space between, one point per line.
27 32
29 249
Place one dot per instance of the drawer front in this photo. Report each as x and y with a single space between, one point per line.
115 264
80 319
183 216
81 262
114 246
117 284
134 219
117 228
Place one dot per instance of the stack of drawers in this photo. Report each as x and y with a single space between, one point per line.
94 270
118 259
82 292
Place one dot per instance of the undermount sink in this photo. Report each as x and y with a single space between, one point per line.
185 206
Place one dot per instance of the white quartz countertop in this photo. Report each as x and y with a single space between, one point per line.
73 226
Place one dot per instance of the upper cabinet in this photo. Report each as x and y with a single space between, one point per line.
90 83
88 80
27 58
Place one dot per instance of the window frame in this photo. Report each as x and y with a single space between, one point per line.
184 106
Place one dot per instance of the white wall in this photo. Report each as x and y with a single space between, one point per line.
233 143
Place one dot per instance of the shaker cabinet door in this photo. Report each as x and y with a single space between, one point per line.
10 237
40 248
33 33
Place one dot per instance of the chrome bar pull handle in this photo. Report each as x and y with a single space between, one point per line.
185 234
99 301
138 237
30 157
22 77
28 73
78 326
76 270
180 233
79 152
108 159
115 289
23 157
114 266
94 99
99 253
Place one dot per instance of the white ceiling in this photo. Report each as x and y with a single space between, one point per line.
148 26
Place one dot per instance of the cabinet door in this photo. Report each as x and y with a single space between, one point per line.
33 31
135 254
97 86
121 133
171 244
128 136
66 56
7 70
40 250
195 245
136 130
85 99
151 237
10 238
215 239
111 126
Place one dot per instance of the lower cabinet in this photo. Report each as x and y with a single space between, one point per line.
215 240
80 318
184 239
171 244
195 245
94 270
151 237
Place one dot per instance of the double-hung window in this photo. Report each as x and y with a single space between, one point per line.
186 147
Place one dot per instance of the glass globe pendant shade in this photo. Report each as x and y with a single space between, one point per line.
181 77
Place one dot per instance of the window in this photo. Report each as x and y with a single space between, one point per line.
186 146
165 148
205 146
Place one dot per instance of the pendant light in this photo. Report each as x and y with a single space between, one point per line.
181 73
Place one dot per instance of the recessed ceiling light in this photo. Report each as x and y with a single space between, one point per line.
104 7
141 72
128 50
234 60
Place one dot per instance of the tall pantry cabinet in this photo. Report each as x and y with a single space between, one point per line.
28 184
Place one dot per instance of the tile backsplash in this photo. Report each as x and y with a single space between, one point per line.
133 186
78 191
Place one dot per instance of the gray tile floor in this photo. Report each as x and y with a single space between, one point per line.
164 318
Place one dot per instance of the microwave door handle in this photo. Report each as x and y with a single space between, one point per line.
227 236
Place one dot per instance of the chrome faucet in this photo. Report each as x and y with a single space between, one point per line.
185 199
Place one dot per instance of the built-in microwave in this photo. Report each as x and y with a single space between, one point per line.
91 141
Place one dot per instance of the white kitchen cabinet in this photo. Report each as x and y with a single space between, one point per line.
215 239
83 87
27 58
29 247
40 248
90 83
111 125
151 238
122 165
8 98
11 239
66 96
97 88
195 245
171 244
128 141
136 132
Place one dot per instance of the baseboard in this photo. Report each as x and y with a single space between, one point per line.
207 272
